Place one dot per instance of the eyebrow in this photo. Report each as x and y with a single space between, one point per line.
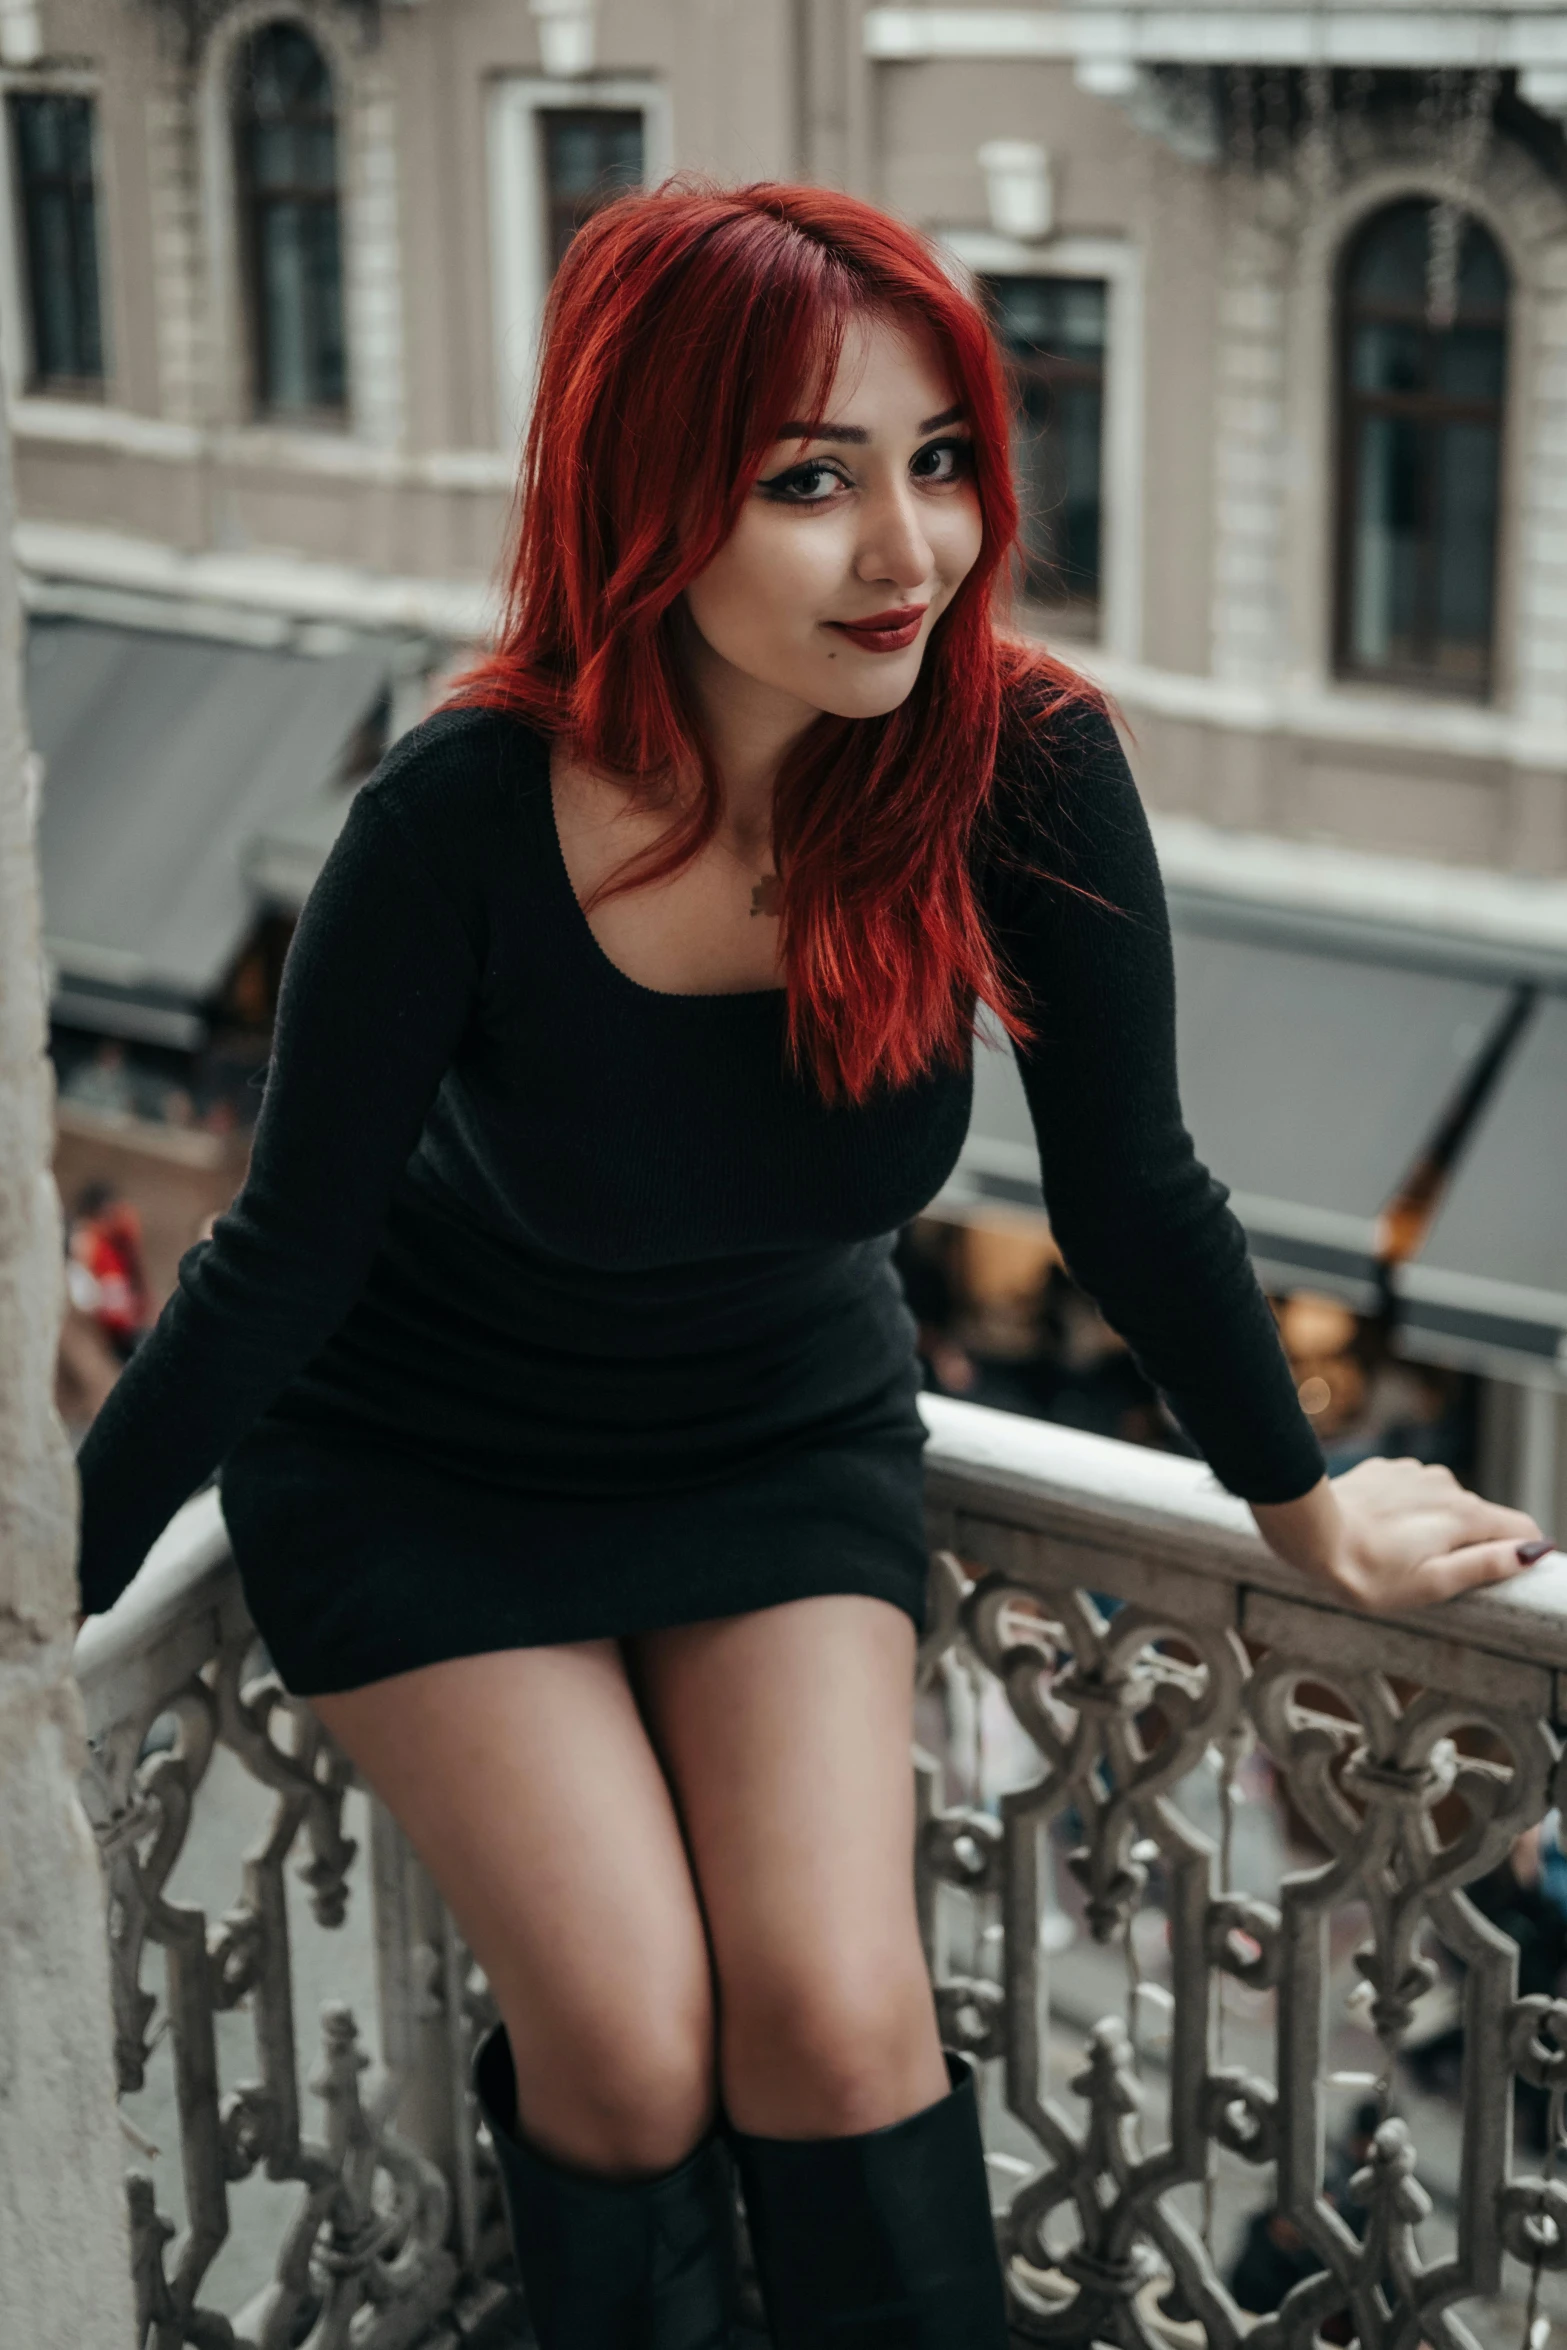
856 434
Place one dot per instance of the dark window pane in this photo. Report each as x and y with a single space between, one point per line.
1389 357
1421 435
1466 470
1390 264
1054 331
53 142
590 154
1482 273
1470 362
1387 543
1063 317
286 135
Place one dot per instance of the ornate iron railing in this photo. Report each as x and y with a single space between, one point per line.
1171 2050
393 2226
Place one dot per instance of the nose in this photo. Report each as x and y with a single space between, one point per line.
894 550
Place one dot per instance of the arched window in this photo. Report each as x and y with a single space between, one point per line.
285 132
1420 432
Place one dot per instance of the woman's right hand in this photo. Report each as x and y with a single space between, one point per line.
1389 1535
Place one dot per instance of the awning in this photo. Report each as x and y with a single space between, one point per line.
1489 1288
169 763
1310 1080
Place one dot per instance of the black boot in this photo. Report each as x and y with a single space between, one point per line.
882 2241
646 2264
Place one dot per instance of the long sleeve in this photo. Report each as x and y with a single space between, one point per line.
377 990
1145 1229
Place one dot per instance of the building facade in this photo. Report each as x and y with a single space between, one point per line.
272 273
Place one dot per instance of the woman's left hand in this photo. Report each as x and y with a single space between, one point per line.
1390 1535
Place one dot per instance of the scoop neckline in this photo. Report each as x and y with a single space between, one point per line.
572 909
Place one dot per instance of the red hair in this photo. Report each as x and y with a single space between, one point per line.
684 327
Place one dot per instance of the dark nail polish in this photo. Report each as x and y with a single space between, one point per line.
1528 1552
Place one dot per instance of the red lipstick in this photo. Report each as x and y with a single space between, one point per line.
884 632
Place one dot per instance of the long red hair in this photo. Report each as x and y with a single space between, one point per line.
684 327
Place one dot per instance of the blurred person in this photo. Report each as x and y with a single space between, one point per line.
1275 2256
564 1392
103 1081
105 1276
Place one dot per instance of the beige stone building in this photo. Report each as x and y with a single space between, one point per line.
1286 293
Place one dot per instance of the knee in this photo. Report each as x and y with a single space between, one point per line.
830 2046
623 2095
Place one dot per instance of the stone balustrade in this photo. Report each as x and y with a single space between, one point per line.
1165 2036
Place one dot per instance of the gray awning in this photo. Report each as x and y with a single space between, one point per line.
1310 1081
1489 1288
168 760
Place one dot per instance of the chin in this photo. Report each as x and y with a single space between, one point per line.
870 697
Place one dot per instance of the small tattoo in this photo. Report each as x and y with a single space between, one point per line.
764 897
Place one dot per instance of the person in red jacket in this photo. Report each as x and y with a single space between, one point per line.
105 1275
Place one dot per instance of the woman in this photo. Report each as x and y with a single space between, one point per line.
565 1395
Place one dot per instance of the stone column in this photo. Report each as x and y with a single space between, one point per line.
63 2248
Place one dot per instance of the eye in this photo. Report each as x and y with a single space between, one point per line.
810 484
942 461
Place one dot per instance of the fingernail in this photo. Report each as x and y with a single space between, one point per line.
1528 1552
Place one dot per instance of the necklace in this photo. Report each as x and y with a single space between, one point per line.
765 896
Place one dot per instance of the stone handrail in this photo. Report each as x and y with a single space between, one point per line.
1126 1617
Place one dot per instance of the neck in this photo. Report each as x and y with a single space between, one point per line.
751 727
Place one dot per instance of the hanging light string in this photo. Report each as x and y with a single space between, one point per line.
1460 110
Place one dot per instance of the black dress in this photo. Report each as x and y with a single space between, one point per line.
554 1306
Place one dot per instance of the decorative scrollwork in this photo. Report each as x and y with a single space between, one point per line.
1411 1797
1241 1939
366 2256
1241 2113
972 2015
1537 2041
963 1848
1534 2222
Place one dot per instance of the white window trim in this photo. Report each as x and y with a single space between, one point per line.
367 194
1120 264
516 216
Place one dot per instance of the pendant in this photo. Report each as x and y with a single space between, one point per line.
765 896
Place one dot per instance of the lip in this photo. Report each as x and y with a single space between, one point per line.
884 632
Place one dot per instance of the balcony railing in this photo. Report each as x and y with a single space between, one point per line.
1121 1690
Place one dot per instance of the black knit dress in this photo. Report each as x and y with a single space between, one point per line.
554 1306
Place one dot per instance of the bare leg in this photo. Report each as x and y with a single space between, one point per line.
526 1782
787 1733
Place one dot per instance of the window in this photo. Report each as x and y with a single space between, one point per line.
1420 456
590 154
1053 330
52 140
553 161
285 125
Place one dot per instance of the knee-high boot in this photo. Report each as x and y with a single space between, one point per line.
644 2264
882 2241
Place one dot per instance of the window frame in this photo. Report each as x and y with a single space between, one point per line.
1430 409
30 380
518 279
249 202
545 120
1077 617
1118 261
